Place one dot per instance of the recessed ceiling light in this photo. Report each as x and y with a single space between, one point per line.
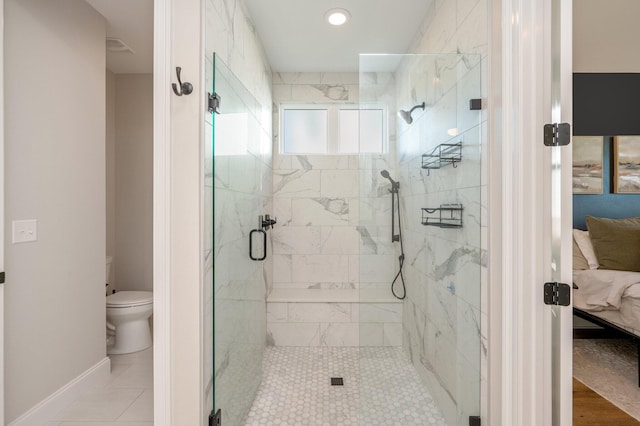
337 16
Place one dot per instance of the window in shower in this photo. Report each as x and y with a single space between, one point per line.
327 129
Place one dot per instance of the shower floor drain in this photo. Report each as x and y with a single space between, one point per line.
337 381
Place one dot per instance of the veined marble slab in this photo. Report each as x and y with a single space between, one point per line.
303 295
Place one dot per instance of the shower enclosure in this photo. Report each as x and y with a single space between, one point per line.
237 192
421 350
436 159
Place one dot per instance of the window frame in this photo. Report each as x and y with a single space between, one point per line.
333 125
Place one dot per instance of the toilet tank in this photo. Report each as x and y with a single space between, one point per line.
108 270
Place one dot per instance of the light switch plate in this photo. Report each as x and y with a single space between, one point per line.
24 231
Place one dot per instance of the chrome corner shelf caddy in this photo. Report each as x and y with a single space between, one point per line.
445 216
442 155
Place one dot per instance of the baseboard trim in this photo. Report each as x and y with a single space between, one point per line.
45 410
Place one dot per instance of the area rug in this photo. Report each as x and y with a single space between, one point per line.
610 368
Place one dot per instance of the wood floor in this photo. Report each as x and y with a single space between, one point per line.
590 409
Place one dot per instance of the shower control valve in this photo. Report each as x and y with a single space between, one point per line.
266 222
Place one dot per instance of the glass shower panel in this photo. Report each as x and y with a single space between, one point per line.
235 165
422 219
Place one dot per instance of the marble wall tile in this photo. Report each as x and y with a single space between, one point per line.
296 183
320 312
471 35
293 334
354 269
316 285
321 92
380 312
245 174
377 268
320 211
469 333
282 211
371 334
337 334
351 78
282 92
277 312
468 396
468 88
297 240
297 78
392 334
322 162
281 268
339 240
320 268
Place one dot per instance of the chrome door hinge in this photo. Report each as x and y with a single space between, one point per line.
213 102
557 134
557 294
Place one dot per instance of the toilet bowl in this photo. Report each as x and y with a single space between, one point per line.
128 315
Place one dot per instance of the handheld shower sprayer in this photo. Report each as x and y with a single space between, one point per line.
395 205
406 115
395 186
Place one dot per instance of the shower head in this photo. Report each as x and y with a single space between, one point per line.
406 115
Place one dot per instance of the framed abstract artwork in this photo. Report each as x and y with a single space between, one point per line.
587 164
626 164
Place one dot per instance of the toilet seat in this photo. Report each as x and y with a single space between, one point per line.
128 299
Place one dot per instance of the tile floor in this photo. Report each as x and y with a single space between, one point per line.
125 400
381 387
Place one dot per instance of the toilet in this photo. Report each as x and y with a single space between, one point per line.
128 315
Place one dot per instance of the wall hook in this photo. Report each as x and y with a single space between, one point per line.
185 88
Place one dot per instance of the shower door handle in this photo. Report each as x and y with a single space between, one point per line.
264 245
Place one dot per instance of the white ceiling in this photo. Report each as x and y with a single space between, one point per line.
294 33
297 38
132 22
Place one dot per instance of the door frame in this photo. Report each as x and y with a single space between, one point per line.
520 381
2 212
162 385
518 330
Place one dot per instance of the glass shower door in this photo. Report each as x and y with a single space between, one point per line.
234 198
422 263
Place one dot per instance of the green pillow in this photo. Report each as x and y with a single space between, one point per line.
616 242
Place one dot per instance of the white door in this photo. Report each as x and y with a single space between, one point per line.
558 337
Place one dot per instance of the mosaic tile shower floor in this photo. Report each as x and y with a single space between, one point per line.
381 387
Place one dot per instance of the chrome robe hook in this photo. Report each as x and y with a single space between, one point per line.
185 88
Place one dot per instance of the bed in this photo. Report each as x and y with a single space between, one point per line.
606 275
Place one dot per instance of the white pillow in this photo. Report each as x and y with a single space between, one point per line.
584 242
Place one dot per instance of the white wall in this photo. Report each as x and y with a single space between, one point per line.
133 182
110 153
605 36
185 231
55 173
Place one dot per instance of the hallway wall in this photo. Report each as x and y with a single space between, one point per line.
133 254
55 173
605 36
